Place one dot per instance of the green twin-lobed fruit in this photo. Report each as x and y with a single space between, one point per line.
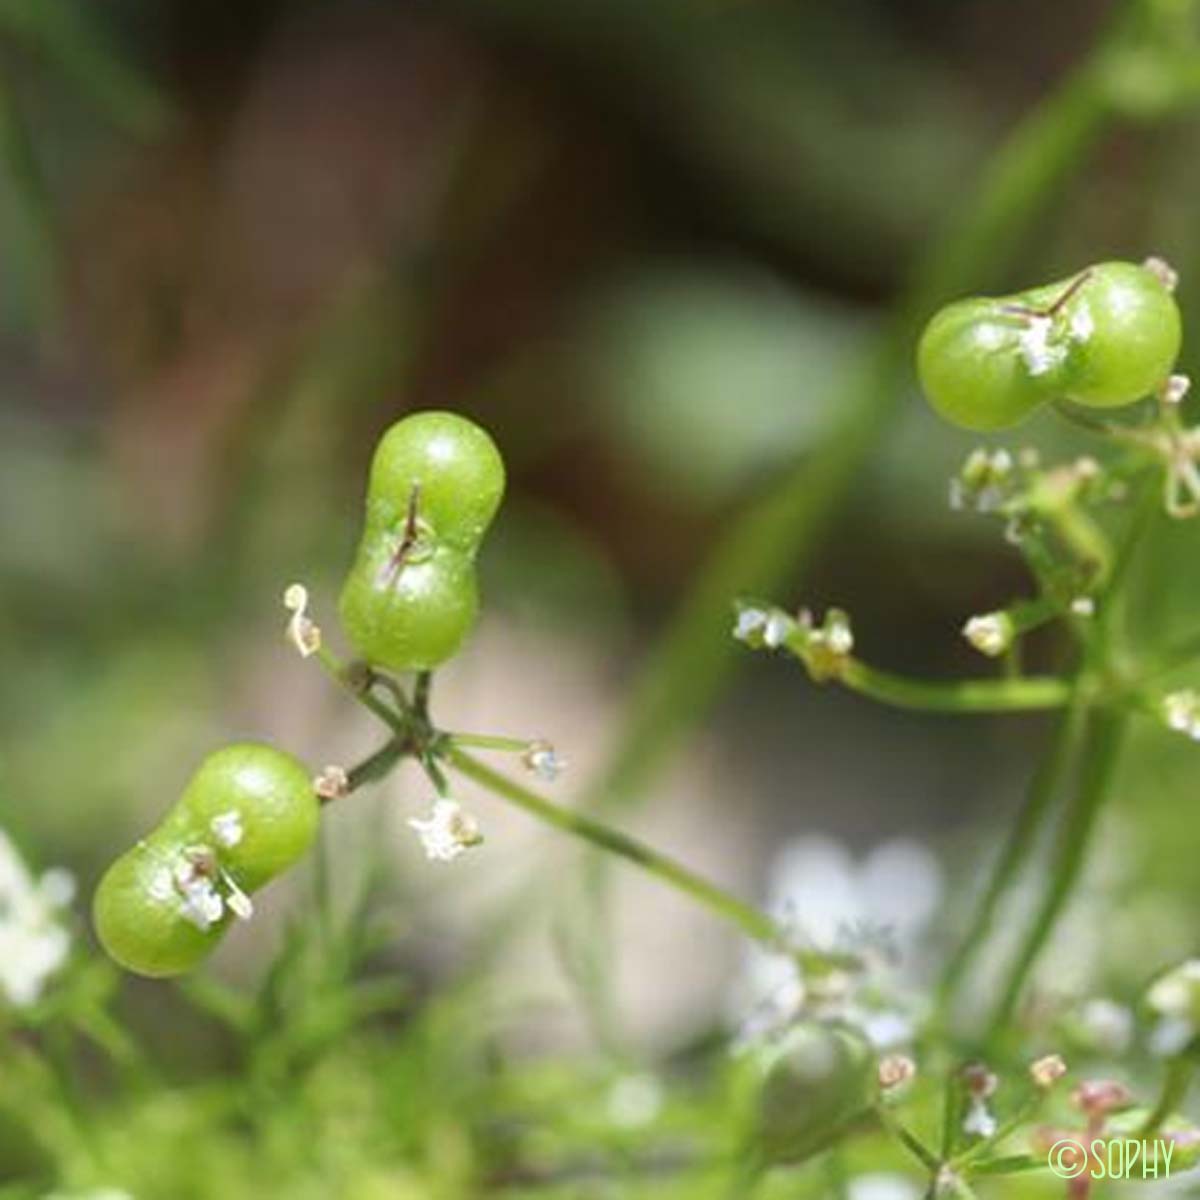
246 815
1105 337
411 598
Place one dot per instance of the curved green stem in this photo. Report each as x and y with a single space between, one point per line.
1042 789
1016 694
1175 1085
1101 756
341 674
749 919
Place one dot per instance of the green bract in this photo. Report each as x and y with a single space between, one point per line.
410 598
1104 337
247 814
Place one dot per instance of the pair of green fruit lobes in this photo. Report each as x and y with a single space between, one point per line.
247 814
1105 337
411 597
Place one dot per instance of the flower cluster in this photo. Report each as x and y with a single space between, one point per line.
202 887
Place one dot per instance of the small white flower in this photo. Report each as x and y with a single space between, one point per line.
57 887
990 634
1083 606
34 943
543 760
447 831
750 622
227 828
777 629
839 637
1162 271
979 1121
1047 1071
1174 389
1177 993
1107 1024
1170 1036
1181 711
333 783
200 903
895 1071
301 631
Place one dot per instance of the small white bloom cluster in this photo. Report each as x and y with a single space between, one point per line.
447 831
1175 997
1181 711
34 943
302 632
196 882
991 633
759 627
333 783
985 481
823 648
854 927
543 760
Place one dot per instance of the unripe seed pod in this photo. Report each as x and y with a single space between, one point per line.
410 598
247 814
1105 337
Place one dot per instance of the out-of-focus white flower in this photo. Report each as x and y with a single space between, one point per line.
1106 1025
34 943
882 1187
1174 389
447 831
1083 606
1181 710
1048 1070
832 902
634 1101
895 1071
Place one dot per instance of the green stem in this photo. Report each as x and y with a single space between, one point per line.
487 741
750 920
341 674
1100 759
377 765
1017 849
1174 1088
965 696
